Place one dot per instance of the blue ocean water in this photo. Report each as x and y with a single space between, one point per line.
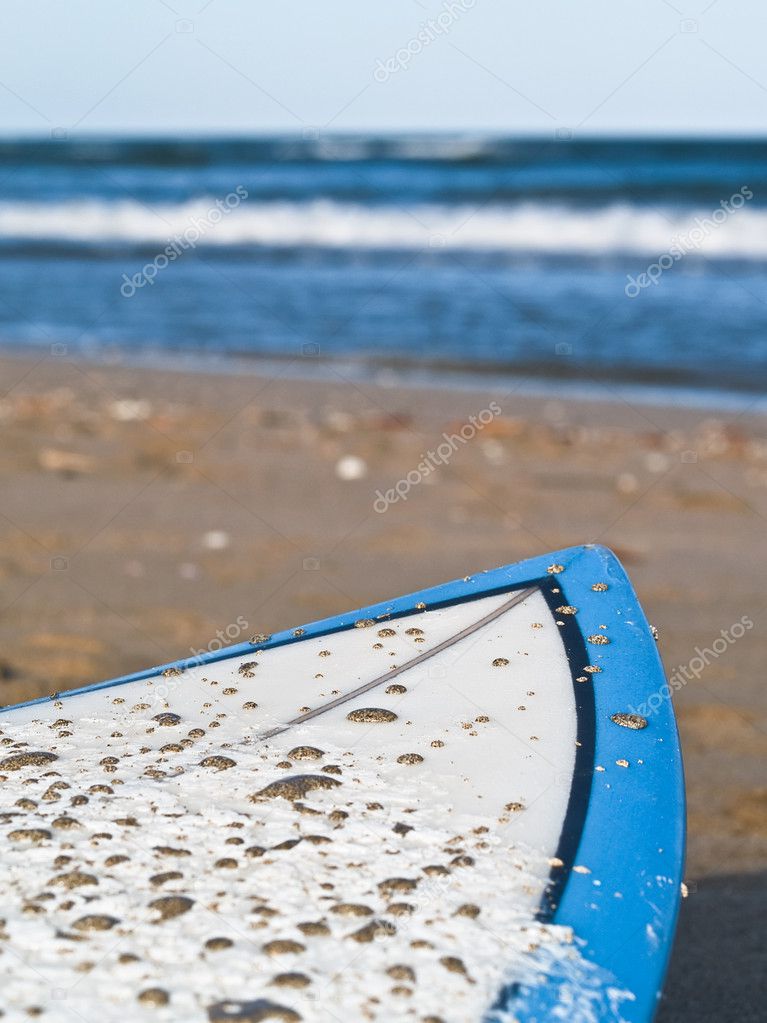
640 261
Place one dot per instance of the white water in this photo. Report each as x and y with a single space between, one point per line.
526 227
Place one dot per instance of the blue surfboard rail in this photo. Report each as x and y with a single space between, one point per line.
626 820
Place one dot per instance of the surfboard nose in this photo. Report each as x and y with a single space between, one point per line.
415 806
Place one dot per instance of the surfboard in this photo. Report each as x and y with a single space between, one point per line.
463 804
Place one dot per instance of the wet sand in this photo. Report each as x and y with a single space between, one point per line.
147 514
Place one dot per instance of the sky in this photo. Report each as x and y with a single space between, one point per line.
244 66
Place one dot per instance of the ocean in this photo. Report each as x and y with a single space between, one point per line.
604 263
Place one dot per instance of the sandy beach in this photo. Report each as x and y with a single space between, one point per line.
146 514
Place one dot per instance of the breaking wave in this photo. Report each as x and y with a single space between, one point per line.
528 227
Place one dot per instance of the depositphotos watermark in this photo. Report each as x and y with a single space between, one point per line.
695 667
682 244
224 637
429 31
172 677
432 460
188 239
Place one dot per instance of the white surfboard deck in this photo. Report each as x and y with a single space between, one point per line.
353 826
